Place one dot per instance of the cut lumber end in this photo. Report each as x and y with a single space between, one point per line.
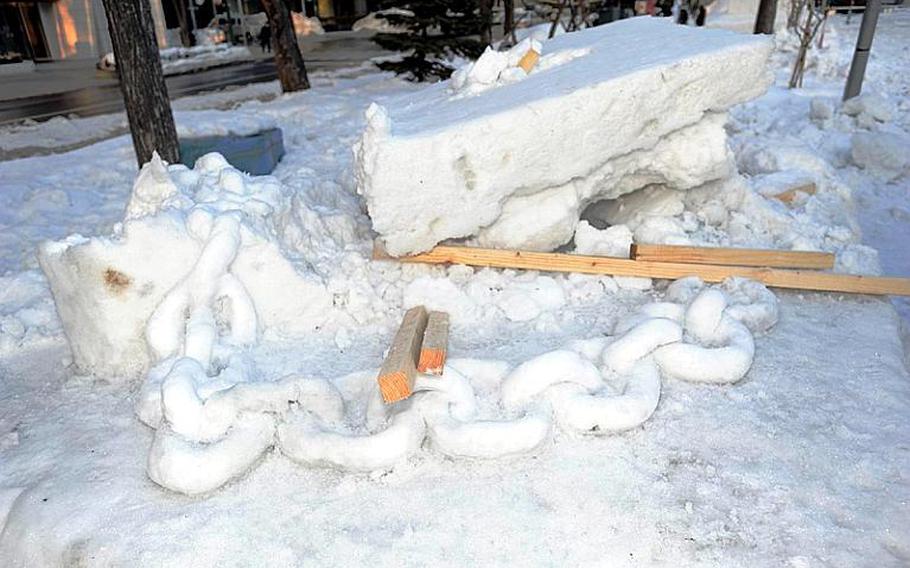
529 60
396 377
395 387
789 196
432 361
435 344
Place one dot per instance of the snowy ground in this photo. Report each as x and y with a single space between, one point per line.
803 463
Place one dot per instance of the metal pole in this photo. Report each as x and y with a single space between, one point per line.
863 45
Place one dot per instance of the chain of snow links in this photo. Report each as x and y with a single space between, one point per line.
213 424
700 334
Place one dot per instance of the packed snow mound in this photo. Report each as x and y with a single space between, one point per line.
523 158
107 289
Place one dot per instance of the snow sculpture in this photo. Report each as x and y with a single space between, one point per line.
598 118
106 289
200 308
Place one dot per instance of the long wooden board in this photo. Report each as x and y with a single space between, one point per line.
396 378
733 256
556 262
435 344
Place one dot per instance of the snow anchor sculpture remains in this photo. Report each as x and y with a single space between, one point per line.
598 117
215 414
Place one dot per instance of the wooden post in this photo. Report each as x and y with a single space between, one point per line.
141 79
863 46
396 378
435 344
291 69
764 20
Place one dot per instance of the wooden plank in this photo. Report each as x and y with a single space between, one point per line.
435 344
733 256
789 195
396 378
556 262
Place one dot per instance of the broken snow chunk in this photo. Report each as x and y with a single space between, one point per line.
874 106
563 131
885 155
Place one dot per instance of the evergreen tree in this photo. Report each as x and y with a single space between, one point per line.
437 30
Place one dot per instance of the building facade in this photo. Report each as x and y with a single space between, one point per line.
52 30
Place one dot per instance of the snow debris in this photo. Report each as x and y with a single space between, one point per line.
524 159
885 154
497 68
869 107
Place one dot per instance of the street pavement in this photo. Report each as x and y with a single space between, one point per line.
77 89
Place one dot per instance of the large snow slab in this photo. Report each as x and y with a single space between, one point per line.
436 164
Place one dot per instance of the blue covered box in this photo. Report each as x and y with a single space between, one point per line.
256 154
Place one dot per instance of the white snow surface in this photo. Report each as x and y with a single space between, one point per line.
506 147
798 463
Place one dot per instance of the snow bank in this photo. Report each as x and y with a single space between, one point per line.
522 159
176 60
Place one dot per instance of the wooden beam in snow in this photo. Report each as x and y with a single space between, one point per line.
529 60
583 264
435 344
396 378
789 196
733 256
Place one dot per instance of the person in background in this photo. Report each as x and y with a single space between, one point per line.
265 38
665 8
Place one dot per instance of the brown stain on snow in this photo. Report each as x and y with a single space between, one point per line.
116 281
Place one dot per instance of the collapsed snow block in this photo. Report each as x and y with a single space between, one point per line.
598 117
257 154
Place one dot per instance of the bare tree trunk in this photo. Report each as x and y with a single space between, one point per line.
141 79
186 36
764 21
508 19
486 16
291 68
556 16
